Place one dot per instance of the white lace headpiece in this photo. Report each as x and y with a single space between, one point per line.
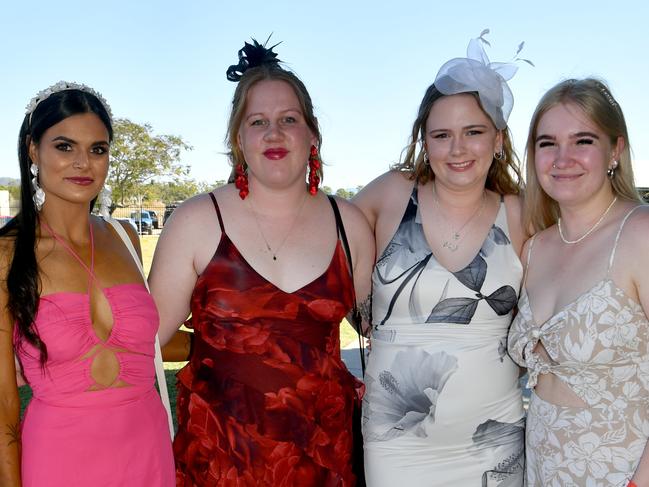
63 86
476 74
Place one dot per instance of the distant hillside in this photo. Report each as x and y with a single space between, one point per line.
9 182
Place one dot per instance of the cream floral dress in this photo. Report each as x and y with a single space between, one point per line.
599 346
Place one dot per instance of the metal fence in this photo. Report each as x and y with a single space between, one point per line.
146 218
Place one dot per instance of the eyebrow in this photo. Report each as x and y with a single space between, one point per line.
585 134
468 127
260 114
578 135
544 137
63 138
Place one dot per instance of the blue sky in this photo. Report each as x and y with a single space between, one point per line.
366 65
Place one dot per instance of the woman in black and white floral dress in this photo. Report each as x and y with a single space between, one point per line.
442 404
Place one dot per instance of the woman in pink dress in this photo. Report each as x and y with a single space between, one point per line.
76 314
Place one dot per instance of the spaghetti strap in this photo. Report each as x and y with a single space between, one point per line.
617 237
339 222
529 257
218 212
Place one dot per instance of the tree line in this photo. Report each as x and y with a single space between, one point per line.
148 167
145 167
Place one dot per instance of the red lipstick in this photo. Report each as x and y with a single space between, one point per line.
275 153
81 181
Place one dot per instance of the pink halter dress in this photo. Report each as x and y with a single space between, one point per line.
77 432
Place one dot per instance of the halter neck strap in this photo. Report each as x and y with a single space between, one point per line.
90 270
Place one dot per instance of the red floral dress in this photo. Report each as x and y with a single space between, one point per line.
265 399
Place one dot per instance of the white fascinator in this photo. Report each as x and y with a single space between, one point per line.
475 73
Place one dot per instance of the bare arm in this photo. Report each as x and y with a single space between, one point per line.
10 442
367 201
173 272
361 242
514 207
638 251
383 202
179 347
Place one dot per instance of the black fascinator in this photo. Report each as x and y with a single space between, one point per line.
251 56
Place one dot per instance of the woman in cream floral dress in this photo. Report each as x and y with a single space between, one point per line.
582 328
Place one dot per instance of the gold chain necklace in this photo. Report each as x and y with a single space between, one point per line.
290 230
453 242
590 230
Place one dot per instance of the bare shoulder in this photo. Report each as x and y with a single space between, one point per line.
357 228
195 216
514 209
389 181
636 230
131 232
189 233
539 240
514 205
383 193
351 214
195 206
525 252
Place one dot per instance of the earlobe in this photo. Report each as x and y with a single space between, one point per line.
239 144
32 151
314 139
619 148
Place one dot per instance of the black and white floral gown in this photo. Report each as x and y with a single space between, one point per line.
442 405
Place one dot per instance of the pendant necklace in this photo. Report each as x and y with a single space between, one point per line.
453 242
290 230
590 230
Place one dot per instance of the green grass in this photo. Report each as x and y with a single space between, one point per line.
148 243
347 334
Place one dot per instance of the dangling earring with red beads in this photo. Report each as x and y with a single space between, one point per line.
314 165
241 181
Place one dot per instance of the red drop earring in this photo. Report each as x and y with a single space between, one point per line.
241 181
314 165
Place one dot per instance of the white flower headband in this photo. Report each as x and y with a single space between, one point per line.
476 74
63 86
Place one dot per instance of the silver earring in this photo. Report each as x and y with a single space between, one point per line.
611 170
426 161
105 201
554 166
39 195
499 155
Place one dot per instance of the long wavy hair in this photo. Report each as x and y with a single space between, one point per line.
504 176
23 280
251 77
594 98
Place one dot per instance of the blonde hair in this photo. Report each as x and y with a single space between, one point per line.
595 100
504 176
251 77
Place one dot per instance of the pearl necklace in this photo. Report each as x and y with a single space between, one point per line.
453 242
590 230
290 230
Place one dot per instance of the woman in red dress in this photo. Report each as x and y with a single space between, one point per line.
261 265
